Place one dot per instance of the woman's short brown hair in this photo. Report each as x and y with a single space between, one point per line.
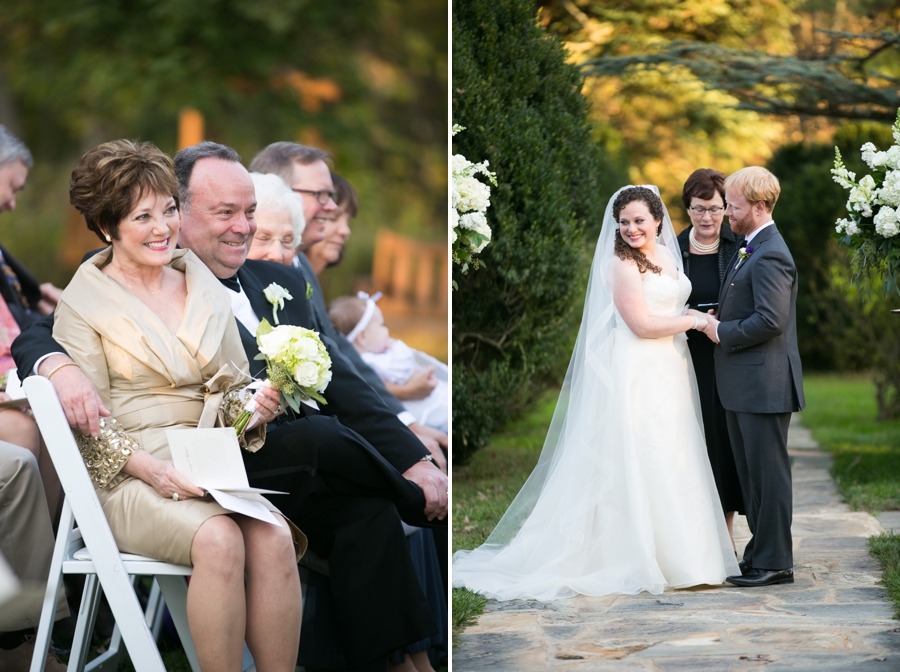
112 177
704 183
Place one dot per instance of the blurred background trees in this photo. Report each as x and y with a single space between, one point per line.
364 79
676 85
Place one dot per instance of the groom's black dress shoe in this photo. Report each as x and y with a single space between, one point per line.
744 566
762 577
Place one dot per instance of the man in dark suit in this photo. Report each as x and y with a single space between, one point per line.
345 490
758 372
306 171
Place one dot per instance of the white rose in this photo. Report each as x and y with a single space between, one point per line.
324 379
275 342
306 374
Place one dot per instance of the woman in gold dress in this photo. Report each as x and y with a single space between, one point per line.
153 330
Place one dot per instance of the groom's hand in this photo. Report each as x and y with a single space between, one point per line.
711 325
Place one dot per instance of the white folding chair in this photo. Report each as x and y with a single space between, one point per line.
91 550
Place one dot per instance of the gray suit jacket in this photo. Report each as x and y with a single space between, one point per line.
757 361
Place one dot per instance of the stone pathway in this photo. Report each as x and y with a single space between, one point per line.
833 618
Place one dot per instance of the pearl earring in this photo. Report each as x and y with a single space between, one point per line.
108 239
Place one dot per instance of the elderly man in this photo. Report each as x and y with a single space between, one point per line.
26 299
347 469
306 171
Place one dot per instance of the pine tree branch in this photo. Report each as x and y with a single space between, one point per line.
836 86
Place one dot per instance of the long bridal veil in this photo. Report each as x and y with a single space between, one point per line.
578 525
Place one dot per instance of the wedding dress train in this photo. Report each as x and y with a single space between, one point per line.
626 501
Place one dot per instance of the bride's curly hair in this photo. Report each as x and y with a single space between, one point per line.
622 249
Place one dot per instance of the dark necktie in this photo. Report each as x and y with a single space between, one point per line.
231 283
13 280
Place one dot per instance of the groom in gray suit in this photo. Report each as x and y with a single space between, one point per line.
758 372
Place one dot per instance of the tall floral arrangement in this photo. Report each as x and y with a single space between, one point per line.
469 230
873 223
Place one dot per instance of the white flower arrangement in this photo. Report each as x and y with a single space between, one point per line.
872 227
297 365
470 198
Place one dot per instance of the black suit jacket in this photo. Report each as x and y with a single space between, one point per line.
320 314
349 397
30 288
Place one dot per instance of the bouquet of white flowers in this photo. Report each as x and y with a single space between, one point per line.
469 229
297 365
873 223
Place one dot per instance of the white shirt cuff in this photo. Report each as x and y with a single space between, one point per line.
37 364
406 418
717 333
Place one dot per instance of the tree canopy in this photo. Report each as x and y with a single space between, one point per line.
365 79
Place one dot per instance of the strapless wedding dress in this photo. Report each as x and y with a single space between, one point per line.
631 507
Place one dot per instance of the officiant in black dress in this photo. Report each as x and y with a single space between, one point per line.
707 246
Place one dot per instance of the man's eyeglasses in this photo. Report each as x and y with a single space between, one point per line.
322 196
715 210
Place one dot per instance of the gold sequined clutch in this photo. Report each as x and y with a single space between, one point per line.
104 455
232 407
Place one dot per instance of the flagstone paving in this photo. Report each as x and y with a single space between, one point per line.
833 618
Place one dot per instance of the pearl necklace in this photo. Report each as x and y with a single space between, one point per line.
712 247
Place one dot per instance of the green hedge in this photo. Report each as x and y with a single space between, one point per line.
514 320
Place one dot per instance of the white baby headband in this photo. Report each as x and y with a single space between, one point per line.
366 316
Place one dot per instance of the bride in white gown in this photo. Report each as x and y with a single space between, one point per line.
622 499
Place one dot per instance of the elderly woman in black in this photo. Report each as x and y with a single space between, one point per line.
707 246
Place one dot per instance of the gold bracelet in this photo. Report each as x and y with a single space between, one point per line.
57 368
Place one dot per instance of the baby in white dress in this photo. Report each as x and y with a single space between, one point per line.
361 321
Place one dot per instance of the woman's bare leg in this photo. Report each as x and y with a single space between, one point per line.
216 604
729 522
274 606
421 661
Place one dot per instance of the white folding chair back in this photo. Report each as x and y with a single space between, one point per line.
103 561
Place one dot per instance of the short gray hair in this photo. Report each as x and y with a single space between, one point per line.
12 149
188 157
273 194
279 158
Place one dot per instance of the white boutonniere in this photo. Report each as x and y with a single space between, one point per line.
276 295
743 253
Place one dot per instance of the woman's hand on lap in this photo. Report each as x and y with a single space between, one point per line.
162 475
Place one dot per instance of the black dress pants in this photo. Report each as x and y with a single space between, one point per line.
759 442
345 497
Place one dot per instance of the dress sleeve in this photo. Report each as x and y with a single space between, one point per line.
105 454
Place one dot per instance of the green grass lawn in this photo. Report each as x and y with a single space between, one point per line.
840 411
